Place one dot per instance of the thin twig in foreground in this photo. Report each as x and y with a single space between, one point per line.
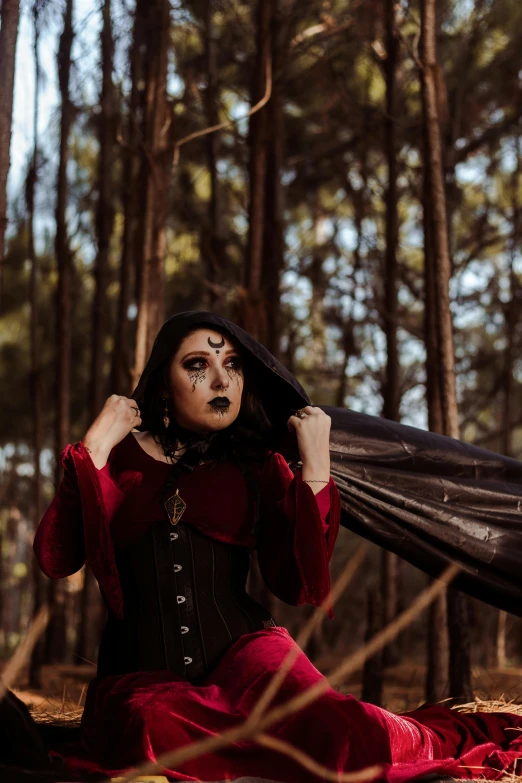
302 639
23 652
306 761
247 730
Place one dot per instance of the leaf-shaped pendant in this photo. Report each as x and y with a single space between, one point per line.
175 507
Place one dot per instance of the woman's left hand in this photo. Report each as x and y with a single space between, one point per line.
313 441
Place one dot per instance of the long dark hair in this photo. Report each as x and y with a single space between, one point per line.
248 438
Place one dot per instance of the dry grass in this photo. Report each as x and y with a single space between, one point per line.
57 717
495 705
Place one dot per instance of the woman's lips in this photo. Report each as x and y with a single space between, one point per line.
219 402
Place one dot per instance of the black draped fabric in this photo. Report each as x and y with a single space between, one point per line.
433 500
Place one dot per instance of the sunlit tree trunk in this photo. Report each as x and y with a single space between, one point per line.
55 637
391 391
152 37
212 239
9 16
437 670
37 403
273 232
122 357
253 315
511 318
458 631
90 602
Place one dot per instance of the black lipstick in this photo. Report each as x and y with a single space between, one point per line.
219 404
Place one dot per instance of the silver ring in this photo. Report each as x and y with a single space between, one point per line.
136 409
300 414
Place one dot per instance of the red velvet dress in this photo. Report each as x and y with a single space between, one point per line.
139 715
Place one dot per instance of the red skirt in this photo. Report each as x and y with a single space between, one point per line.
133 717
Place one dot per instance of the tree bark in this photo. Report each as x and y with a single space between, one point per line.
36 385
90 601
122 359
9 18
391 391
437 668
55 635
151 39
439 222
511 318
253 315
372 677
273 230
459 653
212 241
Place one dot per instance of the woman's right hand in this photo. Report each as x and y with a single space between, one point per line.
116 419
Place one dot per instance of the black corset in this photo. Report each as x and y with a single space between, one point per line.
184 603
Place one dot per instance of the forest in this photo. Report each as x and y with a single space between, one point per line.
342 178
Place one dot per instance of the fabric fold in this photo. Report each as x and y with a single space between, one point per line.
295 543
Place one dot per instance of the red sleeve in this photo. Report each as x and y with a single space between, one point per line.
297 533
75 527
58 543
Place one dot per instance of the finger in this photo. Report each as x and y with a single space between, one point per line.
293 423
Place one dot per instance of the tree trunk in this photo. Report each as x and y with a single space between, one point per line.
36 385
56 631
437 669
511 317
253 316
151 39
349 350
372 677
90 603
9 17
459 652
121 369
391 392
212 240
273 230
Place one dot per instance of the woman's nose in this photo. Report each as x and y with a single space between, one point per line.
221 379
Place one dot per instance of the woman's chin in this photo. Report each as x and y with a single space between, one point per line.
219 419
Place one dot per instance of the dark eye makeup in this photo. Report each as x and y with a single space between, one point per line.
200 362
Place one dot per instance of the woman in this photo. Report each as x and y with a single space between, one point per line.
165 497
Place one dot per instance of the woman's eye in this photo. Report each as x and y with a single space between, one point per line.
195 364
234 362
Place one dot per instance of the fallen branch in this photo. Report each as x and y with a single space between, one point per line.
23 652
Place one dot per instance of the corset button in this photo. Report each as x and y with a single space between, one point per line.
188 660
173 536
177 568
184 629
180 599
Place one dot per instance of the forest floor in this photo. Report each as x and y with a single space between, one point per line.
64 687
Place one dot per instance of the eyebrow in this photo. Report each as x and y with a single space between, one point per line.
207 353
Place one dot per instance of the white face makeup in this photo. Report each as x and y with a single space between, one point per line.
206 380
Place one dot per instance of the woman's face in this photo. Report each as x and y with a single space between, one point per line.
206 381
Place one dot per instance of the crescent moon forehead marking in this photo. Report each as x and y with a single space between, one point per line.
216 345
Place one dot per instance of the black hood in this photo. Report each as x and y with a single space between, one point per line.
279 391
